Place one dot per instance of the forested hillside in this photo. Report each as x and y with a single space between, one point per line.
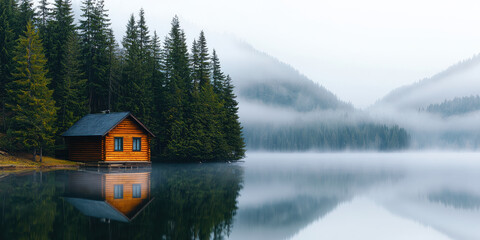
459 80
261 78
326 137
456 106
53 72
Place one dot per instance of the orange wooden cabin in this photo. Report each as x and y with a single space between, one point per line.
118 196
109 138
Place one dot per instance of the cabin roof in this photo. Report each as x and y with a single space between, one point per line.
98 209
99 124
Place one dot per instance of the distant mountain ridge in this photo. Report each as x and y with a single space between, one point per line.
459 80
263 79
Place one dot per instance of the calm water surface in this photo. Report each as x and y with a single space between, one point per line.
269 196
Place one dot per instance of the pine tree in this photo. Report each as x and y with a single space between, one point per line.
72 104
96 35
26 14
59 30
114 71
232 128
206 137
175 66
144 42
176 59
7 46
218 77
43 15
131 69
195 65
33 109
145 97
203 60
200 62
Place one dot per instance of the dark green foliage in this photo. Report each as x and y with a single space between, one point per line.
33 205
43 14
203 64
26 14
30 101
327 137
137 94
175 67
56 36
218 77
194 113
230 122
96 35
72 101
7 45
456 106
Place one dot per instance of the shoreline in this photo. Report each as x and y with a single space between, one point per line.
23 162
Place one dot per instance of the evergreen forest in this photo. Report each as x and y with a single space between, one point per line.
456 106
54 71
326 137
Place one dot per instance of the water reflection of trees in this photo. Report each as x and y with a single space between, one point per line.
28 207
196 201
190 202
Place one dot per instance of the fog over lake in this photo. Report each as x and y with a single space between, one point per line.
410 195
402 195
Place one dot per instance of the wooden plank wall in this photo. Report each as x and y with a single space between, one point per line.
128 129
84 149
128 204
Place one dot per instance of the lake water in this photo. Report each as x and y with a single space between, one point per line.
269 196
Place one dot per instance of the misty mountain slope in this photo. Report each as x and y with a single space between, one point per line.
460 80
262 79
456 106
282 110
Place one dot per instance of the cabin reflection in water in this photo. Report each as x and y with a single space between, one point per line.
118 196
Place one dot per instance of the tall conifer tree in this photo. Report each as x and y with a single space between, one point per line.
218 77
231 122
203 60
33 109
158 92
72 102
131 69
7 45
231 127
145 97
96 35
60 29
176 69
43 15
26 14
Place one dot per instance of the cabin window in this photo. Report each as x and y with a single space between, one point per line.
118 191
119 144
137 144
136 190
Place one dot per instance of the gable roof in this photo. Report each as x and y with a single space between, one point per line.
97 209
99 124
103 209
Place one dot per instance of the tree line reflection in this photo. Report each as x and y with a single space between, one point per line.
195 201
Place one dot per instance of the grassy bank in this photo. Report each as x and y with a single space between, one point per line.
24 161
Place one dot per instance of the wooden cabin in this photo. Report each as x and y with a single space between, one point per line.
118 196
109 138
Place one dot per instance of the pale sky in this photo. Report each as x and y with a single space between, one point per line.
359 50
